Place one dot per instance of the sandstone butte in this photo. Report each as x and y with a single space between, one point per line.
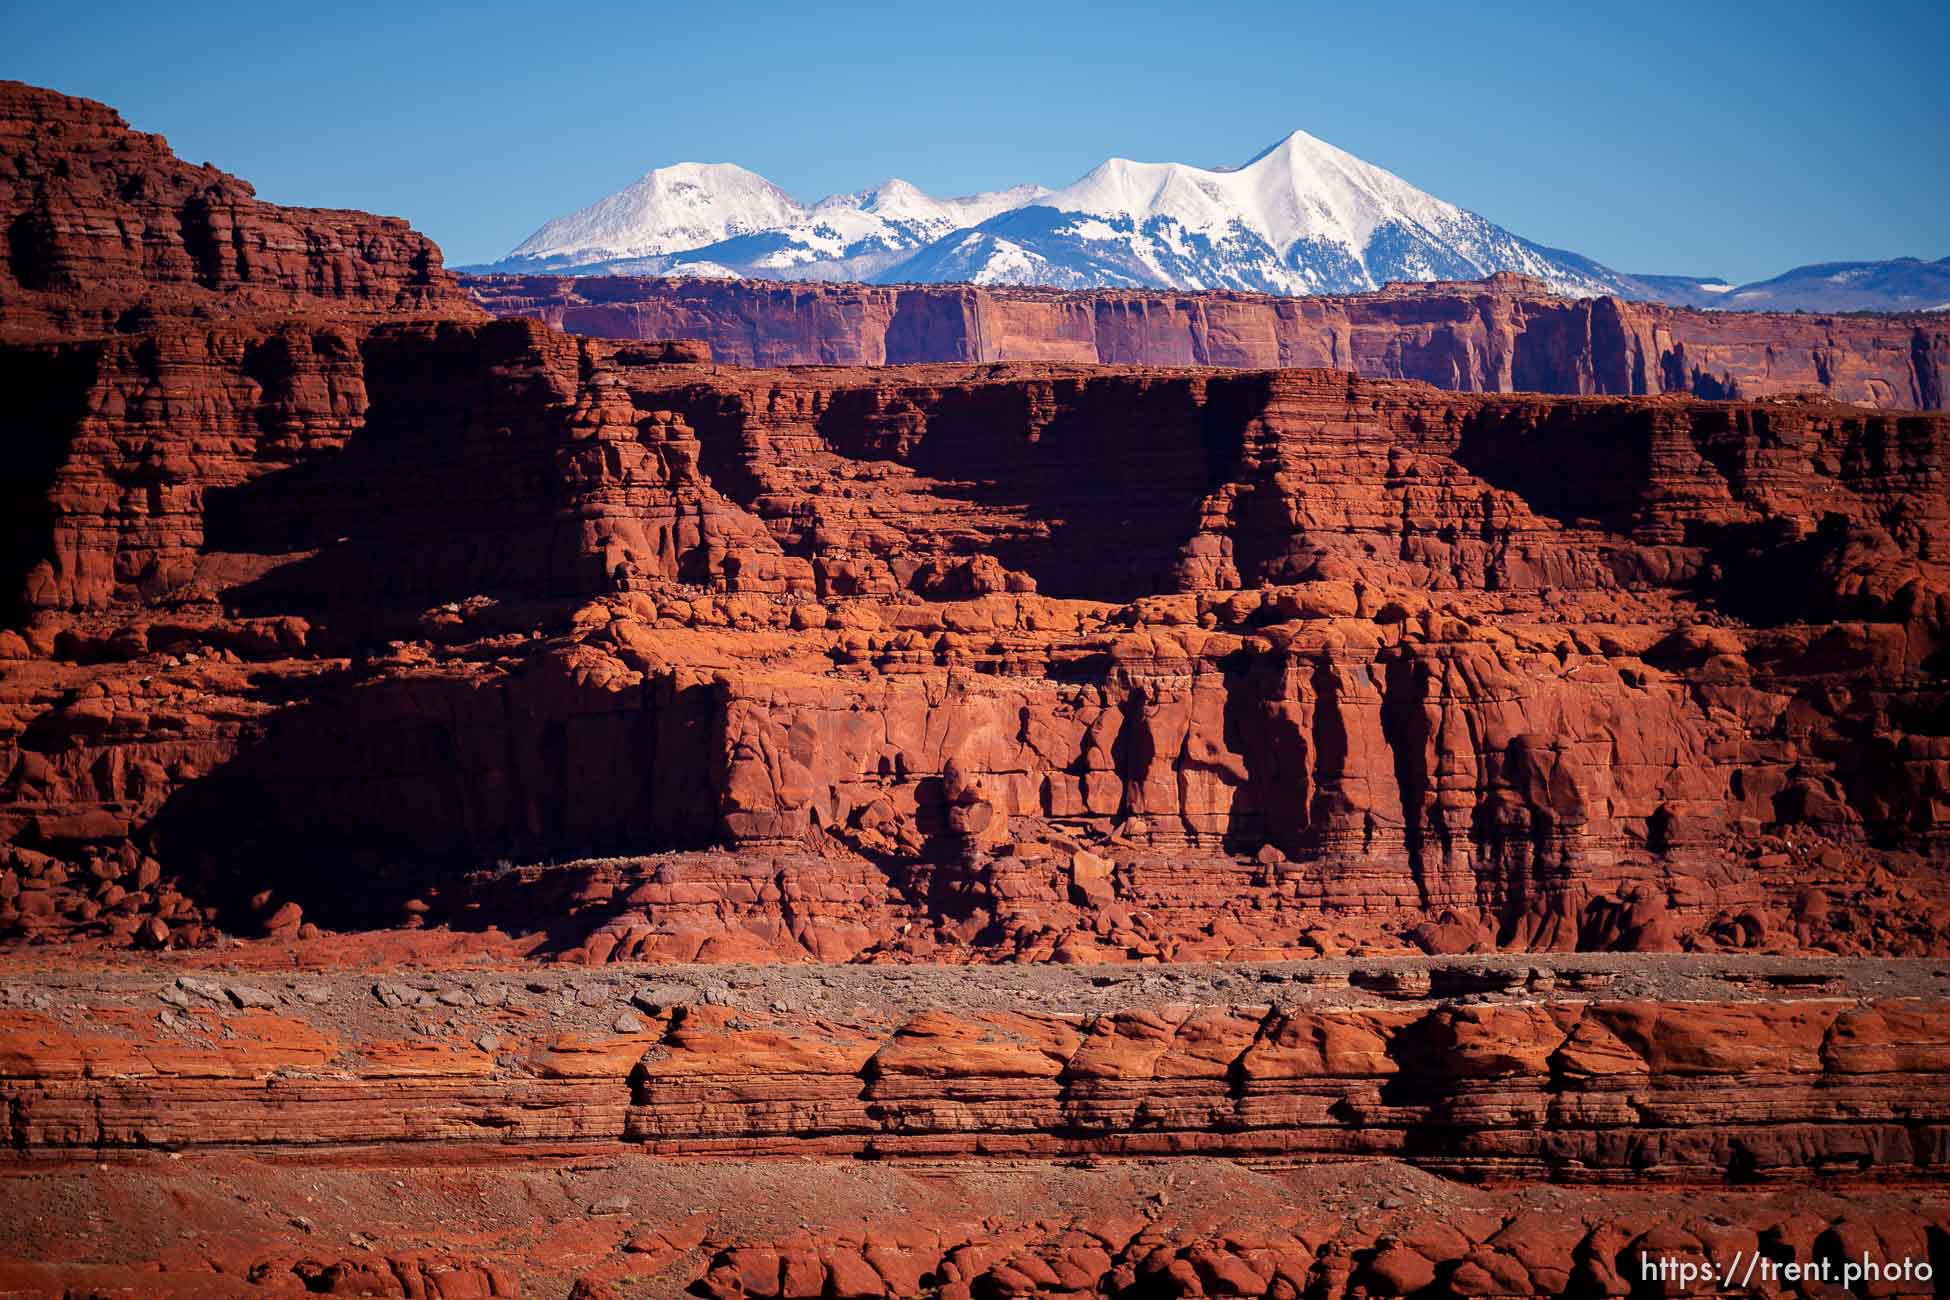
349 627
1503 334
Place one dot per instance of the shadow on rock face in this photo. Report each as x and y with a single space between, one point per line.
368 792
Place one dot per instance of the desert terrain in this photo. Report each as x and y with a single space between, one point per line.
491 810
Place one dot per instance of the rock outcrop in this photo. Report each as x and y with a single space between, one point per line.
599 1227
343 618
1046 660
1524 1084
1503 334
1530 671
107 231
1569 1091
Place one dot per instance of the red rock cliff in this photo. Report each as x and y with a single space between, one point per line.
1016 660
1549 672
1504 334
107 230
1567 1090
1528 1144
330 601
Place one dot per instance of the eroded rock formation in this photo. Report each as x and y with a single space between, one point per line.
591 1230
1504 334
344 618
108 231
1533 1080
1014 659
1023 659
1817 1123
1529 671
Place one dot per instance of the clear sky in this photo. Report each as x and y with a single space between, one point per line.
1707 139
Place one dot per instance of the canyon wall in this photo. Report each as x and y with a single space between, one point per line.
1538 672
1337 1132
1002 660
1503 334
108 231
348 629
1567 1089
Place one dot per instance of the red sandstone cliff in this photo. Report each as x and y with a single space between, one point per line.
1539 670
1539 1141
107 231
1567 1089
330 601
1504 334
995 660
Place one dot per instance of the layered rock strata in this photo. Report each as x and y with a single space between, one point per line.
107 231
1004 661
489 1132
1531 1081
1503 334
514 595
341 617
1480 661
1574 1091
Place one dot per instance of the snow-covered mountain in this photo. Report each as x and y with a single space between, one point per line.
1902 284
1301 217
718 219
671 210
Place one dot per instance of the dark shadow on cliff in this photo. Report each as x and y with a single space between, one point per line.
1695 501
446 491
1580 467
47 393
1424 1081
1093 486
377 790
1272 804
1112 486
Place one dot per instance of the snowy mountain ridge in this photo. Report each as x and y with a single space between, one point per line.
1299 217
718 219
672 209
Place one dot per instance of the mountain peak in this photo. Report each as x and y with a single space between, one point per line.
681 206
1300 216
688 170
1298 188
1294 141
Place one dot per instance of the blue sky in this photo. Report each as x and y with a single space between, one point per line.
1734 139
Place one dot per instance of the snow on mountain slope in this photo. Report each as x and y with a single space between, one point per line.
904 206
1901 284
719 218
856 235
1300 217
671 210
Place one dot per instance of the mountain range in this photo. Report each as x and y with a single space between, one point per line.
719 219
1301 217
1904 284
